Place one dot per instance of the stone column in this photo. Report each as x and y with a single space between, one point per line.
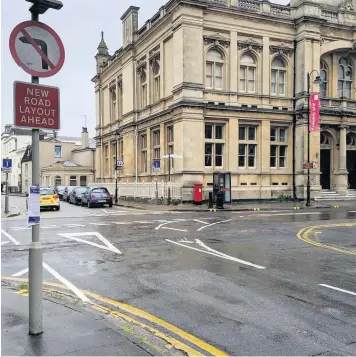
342 173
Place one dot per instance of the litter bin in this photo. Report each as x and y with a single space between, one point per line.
198 193
220 199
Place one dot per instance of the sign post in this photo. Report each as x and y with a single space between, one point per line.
6 167
156 166
169 157
39 51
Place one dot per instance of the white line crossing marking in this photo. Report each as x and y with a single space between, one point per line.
108 245
211 224
13 240
3 243
338 289
20 228
199 221
121 222
49 227
218 254
22 272
175 229
64 281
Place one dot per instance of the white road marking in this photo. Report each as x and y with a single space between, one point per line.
108 245
284 214
228 256
199 221
175 229
218 255
211 224
162 220
22 272
143 222
121 222
49 227
74 225
7 241
13 240
100 224
161 225
352 211
185 240
20 228
338 289
179 219
64 281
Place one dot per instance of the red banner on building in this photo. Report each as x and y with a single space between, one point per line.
314 111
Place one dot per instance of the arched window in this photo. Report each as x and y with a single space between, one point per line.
57 181
278 77
344 78
351 139
143 88
214 69
323 79
156 80
325 140
247 74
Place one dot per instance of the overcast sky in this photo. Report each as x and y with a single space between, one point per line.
79 24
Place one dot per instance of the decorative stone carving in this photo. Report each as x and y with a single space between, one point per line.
141 62
250 44
280 10
349 5
217 41
154 52
281 49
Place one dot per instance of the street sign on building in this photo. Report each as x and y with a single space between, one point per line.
119 164
36 106
37 48
172 156
156 165
307 166
6 165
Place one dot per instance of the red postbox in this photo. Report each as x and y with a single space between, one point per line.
198 193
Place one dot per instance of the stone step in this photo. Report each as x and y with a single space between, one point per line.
338 198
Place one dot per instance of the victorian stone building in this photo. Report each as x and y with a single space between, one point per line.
224 84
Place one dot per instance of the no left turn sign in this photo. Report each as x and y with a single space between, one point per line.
37 48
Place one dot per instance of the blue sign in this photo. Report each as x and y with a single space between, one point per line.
156 165
6 163
34 206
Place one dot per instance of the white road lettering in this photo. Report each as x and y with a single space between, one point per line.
7 235
338 289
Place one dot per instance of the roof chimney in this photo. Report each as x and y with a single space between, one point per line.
85 138
129 25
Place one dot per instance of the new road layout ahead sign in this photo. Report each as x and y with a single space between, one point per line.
37 48
6 165
36 106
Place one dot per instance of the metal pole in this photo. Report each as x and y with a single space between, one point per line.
35 276
169 179
156 193
116 199
7 194
308 181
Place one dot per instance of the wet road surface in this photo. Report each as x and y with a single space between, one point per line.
242 281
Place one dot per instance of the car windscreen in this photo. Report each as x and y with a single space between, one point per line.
71 188
100 190
47 191
61 188
80 190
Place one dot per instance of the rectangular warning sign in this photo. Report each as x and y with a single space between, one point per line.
36 106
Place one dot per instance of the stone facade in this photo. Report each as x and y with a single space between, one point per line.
224 84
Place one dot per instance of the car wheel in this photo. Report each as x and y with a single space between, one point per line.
110 204
81 203
76 202
89 205
58 208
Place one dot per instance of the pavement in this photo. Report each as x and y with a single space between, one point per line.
271 282
13 209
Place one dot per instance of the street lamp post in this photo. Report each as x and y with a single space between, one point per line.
116 193
316 81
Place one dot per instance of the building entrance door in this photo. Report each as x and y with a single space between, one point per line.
351 168
325 161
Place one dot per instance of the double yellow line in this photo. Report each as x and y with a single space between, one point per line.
304 235
137 312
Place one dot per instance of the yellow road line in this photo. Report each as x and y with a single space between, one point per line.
143 314
303 235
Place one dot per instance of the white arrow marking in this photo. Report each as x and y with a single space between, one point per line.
218 254
185 240
211 224
108 245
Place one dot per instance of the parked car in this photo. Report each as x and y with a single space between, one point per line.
67 191
75 196
96 196
49 199
60 190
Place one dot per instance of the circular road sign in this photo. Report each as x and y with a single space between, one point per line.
37 48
